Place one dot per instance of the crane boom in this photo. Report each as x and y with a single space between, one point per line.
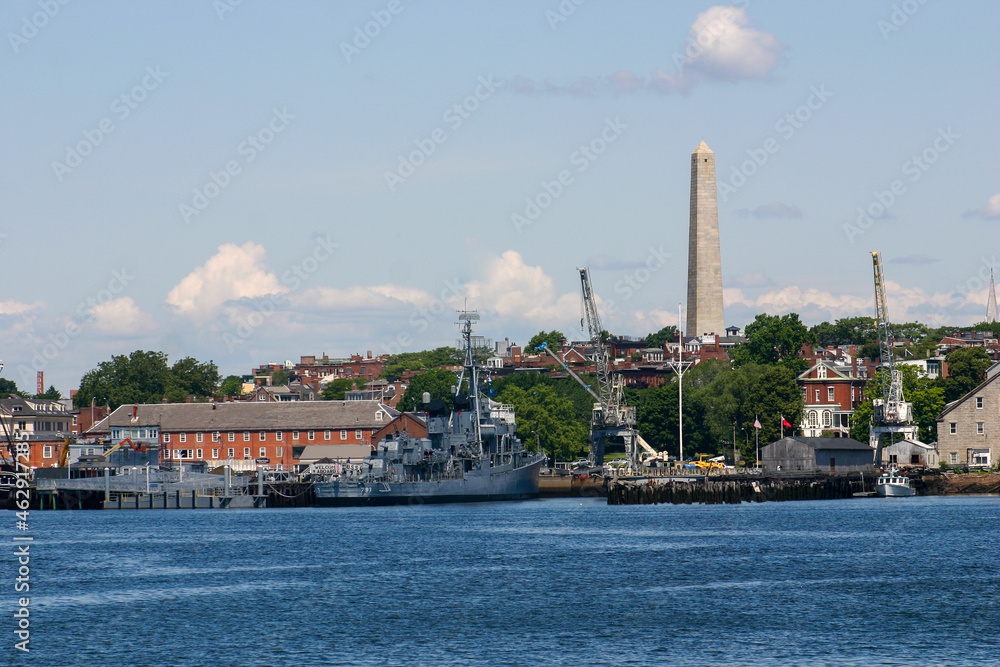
601 364
892 381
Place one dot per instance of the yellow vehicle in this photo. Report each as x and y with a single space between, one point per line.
705 463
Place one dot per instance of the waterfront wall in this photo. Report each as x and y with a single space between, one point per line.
713 491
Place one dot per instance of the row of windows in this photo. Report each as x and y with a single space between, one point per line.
262 435
953 428
980 457
199 453
831 395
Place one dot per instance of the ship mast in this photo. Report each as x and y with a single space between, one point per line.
466 318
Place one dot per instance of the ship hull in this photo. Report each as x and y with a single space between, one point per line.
497 484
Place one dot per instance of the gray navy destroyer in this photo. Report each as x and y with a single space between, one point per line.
471 454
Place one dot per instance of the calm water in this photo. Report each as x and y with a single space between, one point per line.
566 582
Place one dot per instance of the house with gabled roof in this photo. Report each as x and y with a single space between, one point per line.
969 428
831 392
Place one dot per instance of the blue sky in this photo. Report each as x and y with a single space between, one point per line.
256 182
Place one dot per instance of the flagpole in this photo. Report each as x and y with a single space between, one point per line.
756 439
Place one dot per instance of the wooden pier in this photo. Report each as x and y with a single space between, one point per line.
719 489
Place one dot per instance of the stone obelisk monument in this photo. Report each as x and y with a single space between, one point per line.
704 298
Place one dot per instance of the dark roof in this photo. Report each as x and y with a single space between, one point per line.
248 416
828 443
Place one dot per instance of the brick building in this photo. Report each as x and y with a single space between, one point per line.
831 392
247 435
43 423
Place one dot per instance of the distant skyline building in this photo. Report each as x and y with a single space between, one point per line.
704 295
991 302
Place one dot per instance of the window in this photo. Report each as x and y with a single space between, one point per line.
326 435
263 436
246 436
279 436
821 372
827 419
829 394
954 457
343 434
817 395
295 435
378 416
980 428
246 452
232 452
980 457
200 454
76 422
232 436
278 451
215 452
357 434
216 436
199 437
979 402
184 437
263 452
893 458
166 453
47 452
311 435
952 428
166 438
915 459
813 419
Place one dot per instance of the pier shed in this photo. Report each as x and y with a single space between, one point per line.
798 455
912 453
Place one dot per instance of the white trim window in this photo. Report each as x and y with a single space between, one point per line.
953 429
980 428
47 452
199 437
184 437
215 452
343 434
979 402
200 454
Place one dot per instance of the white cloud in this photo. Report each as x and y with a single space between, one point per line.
121 317
377 297
234 272
720 48
512 289
12 307
991 210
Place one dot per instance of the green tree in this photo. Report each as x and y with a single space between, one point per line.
845 331
553 338
546 419
51 393
140 377
9 387
662 336
773 339
397 364
336 390
966 370
231 386
279 378
437 382
189 377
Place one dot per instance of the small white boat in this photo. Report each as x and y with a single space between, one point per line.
893 484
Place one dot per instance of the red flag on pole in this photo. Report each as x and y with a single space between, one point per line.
784 422
756 423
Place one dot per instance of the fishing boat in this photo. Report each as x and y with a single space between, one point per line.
471 453
892 483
